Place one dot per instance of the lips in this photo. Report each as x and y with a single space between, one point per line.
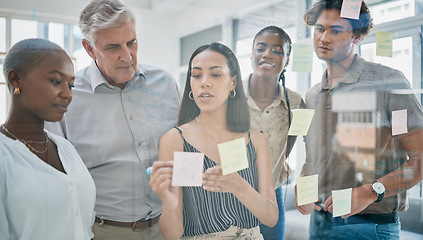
266 65
205 96
62 106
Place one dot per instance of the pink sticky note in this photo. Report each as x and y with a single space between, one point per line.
399 122
351 9
187 169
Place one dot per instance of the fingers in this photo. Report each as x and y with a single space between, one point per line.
328 206
161 176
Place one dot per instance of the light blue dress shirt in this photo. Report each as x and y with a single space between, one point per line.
117 134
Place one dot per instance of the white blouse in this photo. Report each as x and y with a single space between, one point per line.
39 202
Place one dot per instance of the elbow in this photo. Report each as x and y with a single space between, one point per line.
272 219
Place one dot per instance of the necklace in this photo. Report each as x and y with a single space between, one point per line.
26 142
208 132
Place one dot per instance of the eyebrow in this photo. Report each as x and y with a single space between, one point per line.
331 27
57 71
214 67
60 73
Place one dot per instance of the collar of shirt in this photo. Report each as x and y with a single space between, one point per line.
98 79
280 99
351 76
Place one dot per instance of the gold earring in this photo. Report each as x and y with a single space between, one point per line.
17 91
191 95
232 93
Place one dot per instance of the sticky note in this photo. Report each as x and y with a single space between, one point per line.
399 122
307 189
233 156
301 120
341 200
187 169
384 44
351 9
302 57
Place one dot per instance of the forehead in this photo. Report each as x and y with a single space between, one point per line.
117 35
331 17
52 60
209 58
269 38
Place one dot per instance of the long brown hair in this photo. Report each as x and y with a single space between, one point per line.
237 115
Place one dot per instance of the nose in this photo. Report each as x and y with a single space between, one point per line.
65 91
205 82
126 54
268 52
325 37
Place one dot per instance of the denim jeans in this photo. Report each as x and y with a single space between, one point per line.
277 232
323 227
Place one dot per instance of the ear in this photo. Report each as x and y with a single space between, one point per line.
287 62
14 77
357 39
234 82
89 48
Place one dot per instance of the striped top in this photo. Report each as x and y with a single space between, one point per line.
207 212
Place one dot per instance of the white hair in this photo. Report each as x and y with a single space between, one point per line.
102 14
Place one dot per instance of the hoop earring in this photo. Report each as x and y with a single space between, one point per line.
17 91
191 95
232 95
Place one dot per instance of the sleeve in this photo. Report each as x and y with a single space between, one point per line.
401 97
4 225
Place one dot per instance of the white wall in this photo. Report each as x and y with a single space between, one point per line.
158 44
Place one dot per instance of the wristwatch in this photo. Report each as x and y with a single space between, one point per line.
379 190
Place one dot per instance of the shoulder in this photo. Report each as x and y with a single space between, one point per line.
378 71
171 136
156 73
294 97
311 95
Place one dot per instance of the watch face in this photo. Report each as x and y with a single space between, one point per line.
378 187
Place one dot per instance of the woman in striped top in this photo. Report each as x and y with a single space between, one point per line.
213 111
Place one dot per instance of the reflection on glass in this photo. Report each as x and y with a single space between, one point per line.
401 57
82 58
2 34
392 10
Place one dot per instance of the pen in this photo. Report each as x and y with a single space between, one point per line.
148 170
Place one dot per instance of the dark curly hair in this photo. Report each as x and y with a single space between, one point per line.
361 27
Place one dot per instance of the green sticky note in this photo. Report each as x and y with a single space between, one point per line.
384 44
302 57
341 200
233 156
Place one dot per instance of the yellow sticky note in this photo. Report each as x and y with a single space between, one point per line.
233 156
341 200
384 44
307 189
302 57
301 120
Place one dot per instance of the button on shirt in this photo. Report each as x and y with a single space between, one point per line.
273 123
39 202
117 133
